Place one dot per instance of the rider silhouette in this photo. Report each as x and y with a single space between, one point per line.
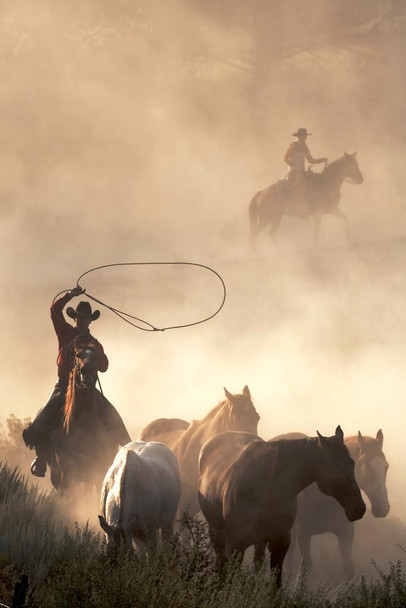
295 157
50 417
295 184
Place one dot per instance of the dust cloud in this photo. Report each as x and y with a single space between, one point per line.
140 132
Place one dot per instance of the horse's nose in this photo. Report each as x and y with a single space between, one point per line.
380 510
86 374
356 512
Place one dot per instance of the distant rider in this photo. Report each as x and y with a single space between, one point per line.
39 434
295 157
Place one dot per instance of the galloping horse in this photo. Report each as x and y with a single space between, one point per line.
321 195
318 514
248 489
83 449
236 412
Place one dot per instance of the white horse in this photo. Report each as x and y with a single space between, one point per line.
140 495
318 514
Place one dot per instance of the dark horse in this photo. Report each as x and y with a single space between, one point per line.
84 447
320 194
248 489
318 514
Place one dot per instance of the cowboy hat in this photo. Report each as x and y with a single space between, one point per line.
301 131
83 309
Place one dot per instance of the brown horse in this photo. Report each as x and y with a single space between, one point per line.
248 489
83 449
318 514
321 195
236 412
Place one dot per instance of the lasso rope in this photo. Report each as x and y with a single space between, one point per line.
126 316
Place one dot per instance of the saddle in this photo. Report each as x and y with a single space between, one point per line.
297 196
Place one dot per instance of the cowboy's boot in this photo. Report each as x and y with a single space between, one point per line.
39 467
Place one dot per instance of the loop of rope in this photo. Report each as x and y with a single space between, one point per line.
126 316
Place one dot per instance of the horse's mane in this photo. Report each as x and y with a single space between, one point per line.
276 453
292 446
79 343
69 401
332 166
213 412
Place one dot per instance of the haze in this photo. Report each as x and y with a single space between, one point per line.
139 132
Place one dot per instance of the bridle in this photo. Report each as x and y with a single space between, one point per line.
80 370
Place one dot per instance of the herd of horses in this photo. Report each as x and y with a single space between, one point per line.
252 492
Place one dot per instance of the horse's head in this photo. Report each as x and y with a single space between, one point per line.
351 168
114 535
82 377
370 472
336 474
86 364
241 411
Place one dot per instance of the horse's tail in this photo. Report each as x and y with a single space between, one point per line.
254 218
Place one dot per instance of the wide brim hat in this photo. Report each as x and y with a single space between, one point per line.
83 309
301 131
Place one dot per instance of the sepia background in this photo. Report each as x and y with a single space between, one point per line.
139 131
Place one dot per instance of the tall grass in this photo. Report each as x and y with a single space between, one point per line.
67 567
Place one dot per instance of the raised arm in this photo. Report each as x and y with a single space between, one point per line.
59 322
313 161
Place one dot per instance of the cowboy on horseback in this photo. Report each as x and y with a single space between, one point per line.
295 184
296 155
39 433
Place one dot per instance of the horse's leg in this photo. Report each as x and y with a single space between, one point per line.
278 548
152 541
289 558
259 555
345 541
304 541
275 223
141 548
218 541
235 549
255 231
340 214
128 539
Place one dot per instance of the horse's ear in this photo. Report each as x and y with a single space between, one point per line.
345 153
379 437
246 392
322 440
340 434
355 153
361 441
228 395
105 526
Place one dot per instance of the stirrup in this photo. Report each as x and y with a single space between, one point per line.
38 467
